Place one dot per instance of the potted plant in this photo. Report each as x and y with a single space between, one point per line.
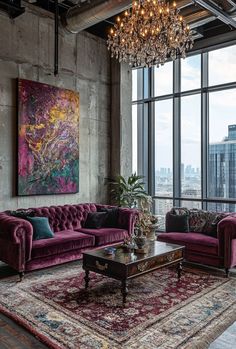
128 193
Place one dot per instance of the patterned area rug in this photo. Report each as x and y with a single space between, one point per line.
160 311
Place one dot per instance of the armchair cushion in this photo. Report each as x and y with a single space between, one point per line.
193 241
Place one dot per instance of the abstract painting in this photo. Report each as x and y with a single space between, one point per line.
48 139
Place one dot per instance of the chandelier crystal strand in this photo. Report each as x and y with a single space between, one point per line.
149 33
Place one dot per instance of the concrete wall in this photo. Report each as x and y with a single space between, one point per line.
26 51
121 119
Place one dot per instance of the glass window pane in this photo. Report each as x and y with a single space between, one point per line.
163 148
222 65
222 144
146 83
191 204
163 79
191 73
221 207
191 146
161 207
137 84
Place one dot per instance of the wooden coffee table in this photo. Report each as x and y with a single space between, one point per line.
127 265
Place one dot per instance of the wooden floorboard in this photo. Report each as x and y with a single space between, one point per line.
13 336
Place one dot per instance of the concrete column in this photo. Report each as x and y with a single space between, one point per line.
121 119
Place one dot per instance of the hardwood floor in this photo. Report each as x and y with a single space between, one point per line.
13 336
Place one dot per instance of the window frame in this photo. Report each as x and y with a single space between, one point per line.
147 167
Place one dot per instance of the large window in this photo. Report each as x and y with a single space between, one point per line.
186 143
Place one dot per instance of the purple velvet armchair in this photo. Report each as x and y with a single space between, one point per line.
71 238
218 251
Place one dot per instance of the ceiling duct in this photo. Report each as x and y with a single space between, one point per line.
12 7
82 17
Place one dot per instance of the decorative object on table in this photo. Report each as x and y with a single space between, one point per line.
149 33
48 139
139 238
110 250
147 222
128 245
193 311
127 193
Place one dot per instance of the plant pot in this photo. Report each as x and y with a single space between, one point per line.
140 241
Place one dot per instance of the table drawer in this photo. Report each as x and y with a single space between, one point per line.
155 262
105 267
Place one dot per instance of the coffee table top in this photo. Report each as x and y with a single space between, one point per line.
156 248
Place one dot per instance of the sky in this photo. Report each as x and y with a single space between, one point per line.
222 106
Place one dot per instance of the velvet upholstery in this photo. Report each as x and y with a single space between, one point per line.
193 241
63 241
201 248
106 235
18 249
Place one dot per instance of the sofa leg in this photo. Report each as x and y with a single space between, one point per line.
227 272
21 275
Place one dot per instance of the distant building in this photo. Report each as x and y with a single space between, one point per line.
222 167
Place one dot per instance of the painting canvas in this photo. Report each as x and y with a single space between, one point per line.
48 139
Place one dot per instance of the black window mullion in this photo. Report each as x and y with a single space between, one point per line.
204 126
176 133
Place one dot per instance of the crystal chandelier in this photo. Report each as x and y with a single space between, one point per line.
149 33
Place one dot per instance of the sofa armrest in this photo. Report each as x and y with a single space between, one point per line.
127 218
226 232
16 231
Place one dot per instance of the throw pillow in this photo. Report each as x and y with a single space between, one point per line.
112 216
197 220
95 220
213 230
177 223
41 228
23 214
179 210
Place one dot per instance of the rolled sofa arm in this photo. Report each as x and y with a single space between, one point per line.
16 237
127 218
226 233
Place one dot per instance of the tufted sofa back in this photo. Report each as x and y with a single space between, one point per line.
65 217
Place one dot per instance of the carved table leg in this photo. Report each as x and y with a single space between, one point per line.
86 279
179 270
227 272
124 290
21 275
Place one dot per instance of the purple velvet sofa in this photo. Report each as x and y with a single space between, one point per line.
21 252
218 251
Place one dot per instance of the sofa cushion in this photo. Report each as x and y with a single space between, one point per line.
193 241
106 236
176 222
63 241
95 220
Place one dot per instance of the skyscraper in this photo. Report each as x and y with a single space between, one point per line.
222 166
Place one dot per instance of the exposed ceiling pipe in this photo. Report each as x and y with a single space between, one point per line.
79 18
